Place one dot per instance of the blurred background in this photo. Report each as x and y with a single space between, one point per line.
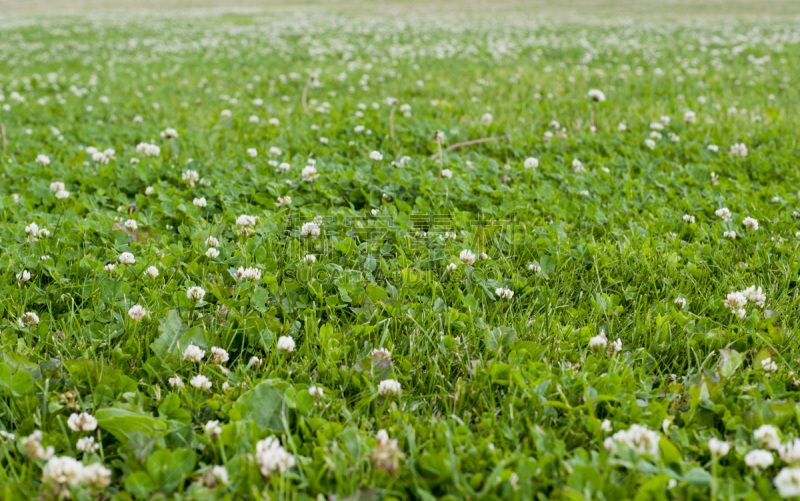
571 10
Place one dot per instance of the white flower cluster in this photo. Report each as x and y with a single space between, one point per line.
638 438
736 301
389 387
67 471
272 457
310 230
82 422
148 150
34 233
248 274
246 224
101 157
59 189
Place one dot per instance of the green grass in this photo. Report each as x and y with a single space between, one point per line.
500 398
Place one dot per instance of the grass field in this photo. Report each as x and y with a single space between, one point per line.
389 251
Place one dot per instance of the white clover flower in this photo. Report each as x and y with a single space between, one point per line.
131 224
43 160
252 152
767 436
24 276
769 365
220 474
615 346
56 186
597 95
97 476
389 387
750 223
62 194
63 470
213 429
137 312
577 167
689 117
28 319
32 445
169 133
212 242
606 427
193 353
109 267
790 451
190 177
729 234
650 143
688 219
286 344
225 114
504 293
246 221
718 447
755 295
713 147
212 253
534 268
196 294
622 127
467 257
310 230
381 353
759 459
218 355
787 482
200 202
152 272
149 190
452 267
680 303
735 300
274 122
739 150
637 438
723 213
309 173
447 173
309 259
201 382
376 156
176 382
272 457
87 445
254 361
531 163
287 200
126 258
487 119
316 392
248 274
148 150
598 343
82 422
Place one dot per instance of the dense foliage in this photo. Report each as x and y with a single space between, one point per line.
242 259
